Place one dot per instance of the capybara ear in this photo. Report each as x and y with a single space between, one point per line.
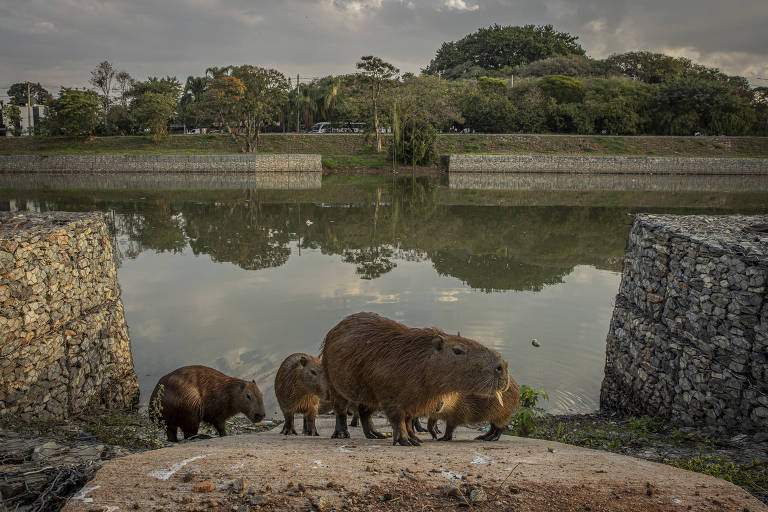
437 342
242 385
303 361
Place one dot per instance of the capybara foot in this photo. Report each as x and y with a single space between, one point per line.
418 427
288 431
415 441
446 437
402 442
374 434
492 435
344 434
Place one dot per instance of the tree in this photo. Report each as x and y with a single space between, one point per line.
11 116
564 89
74 113
487 108
689 105
153 103
102 78
124 83
246 100
376 72
18 94
191 105
566 65
498 49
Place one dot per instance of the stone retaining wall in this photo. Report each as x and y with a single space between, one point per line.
689 335
160 163
63 338
605 164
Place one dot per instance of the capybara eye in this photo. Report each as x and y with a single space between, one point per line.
458 351
313 372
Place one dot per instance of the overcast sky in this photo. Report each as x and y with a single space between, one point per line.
58 42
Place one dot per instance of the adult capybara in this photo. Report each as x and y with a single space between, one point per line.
299 385
461 409
192 394
380 364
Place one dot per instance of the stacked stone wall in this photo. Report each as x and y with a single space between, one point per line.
225 164
64 342
605 164
688 339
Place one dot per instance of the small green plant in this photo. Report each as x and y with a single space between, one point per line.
524 423
752 476
155 411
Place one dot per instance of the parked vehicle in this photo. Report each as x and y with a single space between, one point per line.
343 127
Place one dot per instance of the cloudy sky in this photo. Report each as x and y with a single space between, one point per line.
58 42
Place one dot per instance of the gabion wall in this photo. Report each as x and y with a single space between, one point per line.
689 335
63 339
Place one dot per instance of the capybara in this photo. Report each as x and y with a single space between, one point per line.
461 409
380 364
192 394
299 385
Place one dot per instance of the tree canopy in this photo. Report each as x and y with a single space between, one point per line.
500 48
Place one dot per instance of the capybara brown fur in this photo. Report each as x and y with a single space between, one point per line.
191 394
380 364
299 385
461 409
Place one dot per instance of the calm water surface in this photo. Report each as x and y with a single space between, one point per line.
240 279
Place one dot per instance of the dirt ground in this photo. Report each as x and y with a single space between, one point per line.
268 471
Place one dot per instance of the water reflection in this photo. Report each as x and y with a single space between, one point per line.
240 279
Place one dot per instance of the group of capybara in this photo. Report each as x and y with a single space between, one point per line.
367 364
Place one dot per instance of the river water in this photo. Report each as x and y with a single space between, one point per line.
240 279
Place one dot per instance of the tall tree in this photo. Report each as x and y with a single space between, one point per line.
247 99
102 78
376 72
498 49
124 83
18 94
74 113
153 103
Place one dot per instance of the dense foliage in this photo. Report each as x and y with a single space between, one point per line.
74 113
499 49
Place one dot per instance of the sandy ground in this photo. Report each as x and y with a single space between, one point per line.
269 471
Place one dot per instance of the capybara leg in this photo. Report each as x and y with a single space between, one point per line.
341 431
415 441
399 431
448 433
432 427
221 427
418 427
288 425
172 433
367 423
494 433
355 420
190 429
309 425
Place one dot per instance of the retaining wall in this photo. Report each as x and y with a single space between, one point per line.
63 337
605 164
688 339
160 163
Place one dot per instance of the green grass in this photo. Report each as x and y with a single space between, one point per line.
354 151
752 476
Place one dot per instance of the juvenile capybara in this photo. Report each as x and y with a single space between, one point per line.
461 409
380 364
192 394
299 385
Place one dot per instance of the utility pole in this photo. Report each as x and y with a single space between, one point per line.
29 108
298 124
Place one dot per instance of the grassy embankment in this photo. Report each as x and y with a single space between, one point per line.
349 151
